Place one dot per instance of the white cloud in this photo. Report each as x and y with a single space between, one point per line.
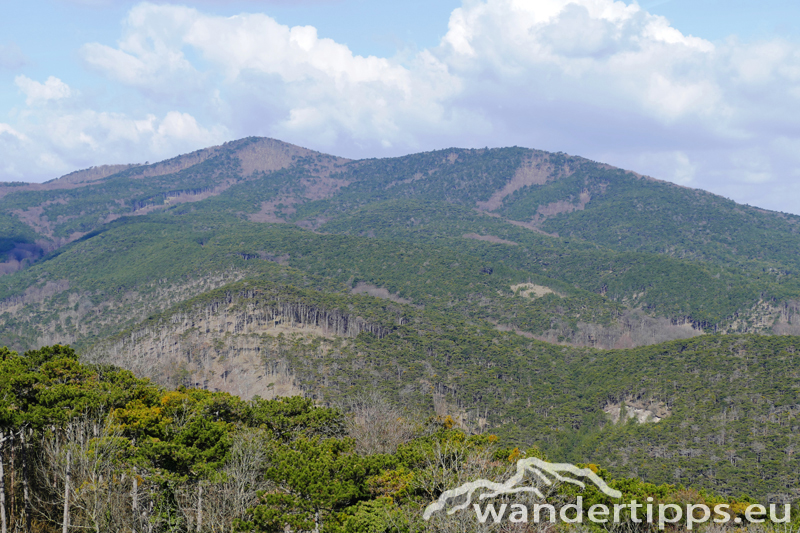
55 142
590 52
35 92
5 129
309 88
596 51
150 55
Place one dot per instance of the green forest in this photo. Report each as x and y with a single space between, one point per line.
96 448
260 337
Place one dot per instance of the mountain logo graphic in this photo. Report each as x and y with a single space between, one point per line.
563 472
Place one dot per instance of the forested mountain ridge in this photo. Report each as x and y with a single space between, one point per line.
645 247
38 218
555 193
537 295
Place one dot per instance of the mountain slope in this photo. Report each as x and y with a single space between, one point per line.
687 257
63 210
540 296
717 412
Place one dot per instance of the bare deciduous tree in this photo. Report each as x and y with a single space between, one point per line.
375 424
78 464
3 524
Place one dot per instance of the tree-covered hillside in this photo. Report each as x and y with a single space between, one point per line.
88 447
717 411
542 297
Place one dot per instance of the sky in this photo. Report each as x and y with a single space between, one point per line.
702 93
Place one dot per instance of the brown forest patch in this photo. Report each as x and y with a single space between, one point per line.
536 170
378 292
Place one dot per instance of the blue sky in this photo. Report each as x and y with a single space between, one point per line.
703 93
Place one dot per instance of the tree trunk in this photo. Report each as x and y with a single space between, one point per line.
25 492
199 506
3 525
135 494
12 495
65 522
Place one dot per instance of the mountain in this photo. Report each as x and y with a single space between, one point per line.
38 218
542 296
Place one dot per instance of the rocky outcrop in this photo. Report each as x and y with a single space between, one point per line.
640 409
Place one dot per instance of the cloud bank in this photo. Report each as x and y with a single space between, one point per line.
596 78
